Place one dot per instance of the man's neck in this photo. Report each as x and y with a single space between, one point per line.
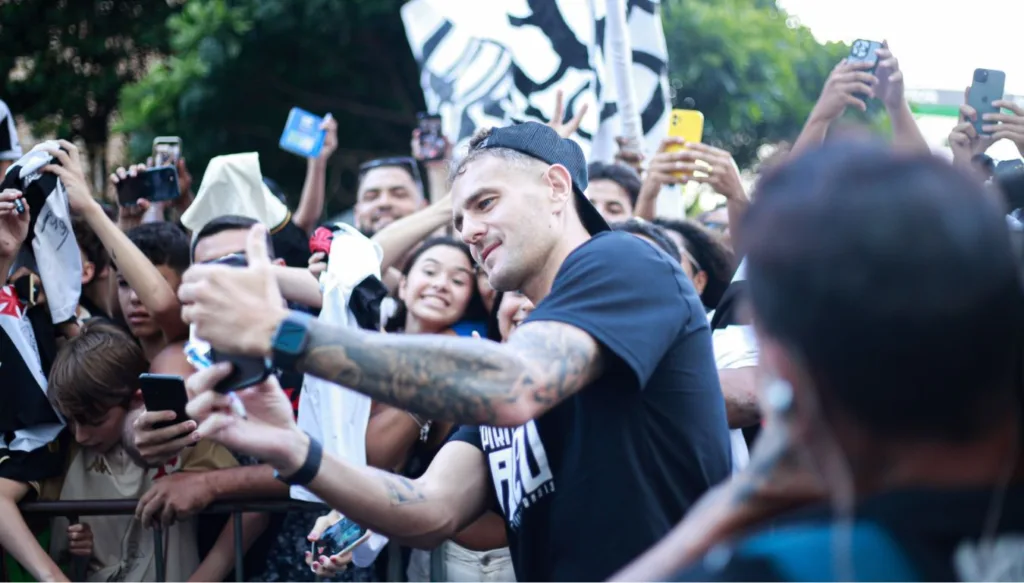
986 461
539 286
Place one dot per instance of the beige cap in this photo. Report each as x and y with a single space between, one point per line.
233 185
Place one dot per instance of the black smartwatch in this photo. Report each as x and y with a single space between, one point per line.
309 469
290 339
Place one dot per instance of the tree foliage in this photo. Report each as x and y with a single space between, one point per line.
753 70
239 66
64 61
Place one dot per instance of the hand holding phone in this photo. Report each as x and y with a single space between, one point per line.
164 393
987 88
153 184
338 540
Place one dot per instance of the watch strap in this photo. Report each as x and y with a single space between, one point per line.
309 469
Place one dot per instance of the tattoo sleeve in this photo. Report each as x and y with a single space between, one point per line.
401 490
455 379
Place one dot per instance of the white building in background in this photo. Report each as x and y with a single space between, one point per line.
937 113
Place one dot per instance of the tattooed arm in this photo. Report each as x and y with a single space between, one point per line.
462 380
453 492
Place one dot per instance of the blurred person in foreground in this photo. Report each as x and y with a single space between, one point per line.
894 399
609 388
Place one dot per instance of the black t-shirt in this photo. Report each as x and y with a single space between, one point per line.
907 535
599 478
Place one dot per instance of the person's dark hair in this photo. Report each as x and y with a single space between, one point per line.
620 174
95 371
163 244
493 329
475 310
228 223
652 232
90 244
712 255
911 340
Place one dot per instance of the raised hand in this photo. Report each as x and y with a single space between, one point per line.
846 81
558 121
235 309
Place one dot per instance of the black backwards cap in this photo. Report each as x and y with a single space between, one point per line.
543 143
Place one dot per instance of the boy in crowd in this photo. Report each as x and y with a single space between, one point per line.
94 382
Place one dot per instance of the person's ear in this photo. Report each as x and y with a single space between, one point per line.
560 183
700 281
137 399
401 287
88 272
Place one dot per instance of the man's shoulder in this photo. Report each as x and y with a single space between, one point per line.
803 551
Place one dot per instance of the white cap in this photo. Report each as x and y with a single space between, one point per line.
233 185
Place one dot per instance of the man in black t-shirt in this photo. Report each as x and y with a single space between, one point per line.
594 428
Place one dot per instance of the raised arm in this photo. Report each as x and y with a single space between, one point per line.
153 290
398 238
311 203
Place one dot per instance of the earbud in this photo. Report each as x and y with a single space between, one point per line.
779 396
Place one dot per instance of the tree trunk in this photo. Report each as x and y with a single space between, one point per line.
98 168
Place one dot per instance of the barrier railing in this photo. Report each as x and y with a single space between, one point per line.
74 509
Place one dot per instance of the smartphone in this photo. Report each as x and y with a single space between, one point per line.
166 151
164 393
340 538
302 134
246 371
154 184
432 146
687 124
987 87
864 51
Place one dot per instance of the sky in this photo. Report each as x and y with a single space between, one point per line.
938 43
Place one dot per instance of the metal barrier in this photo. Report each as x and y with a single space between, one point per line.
73 509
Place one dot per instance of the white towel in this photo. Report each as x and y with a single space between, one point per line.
54 252
337 416
233 185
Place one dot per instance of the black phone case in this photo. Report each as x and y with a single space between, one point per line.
164 393
863 51
246 371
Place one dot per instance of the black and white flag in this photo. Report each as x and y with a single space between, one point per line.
484 64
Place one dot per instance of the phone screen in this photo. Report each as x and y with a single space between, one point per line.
166 151
340 538
432 146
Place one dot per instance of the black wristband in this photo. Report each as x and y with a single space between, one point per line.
310 468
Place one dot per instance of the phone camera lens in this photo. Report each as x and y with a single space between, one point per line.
980 76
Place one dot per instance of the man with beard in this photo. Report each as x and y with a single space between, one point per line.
389 189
